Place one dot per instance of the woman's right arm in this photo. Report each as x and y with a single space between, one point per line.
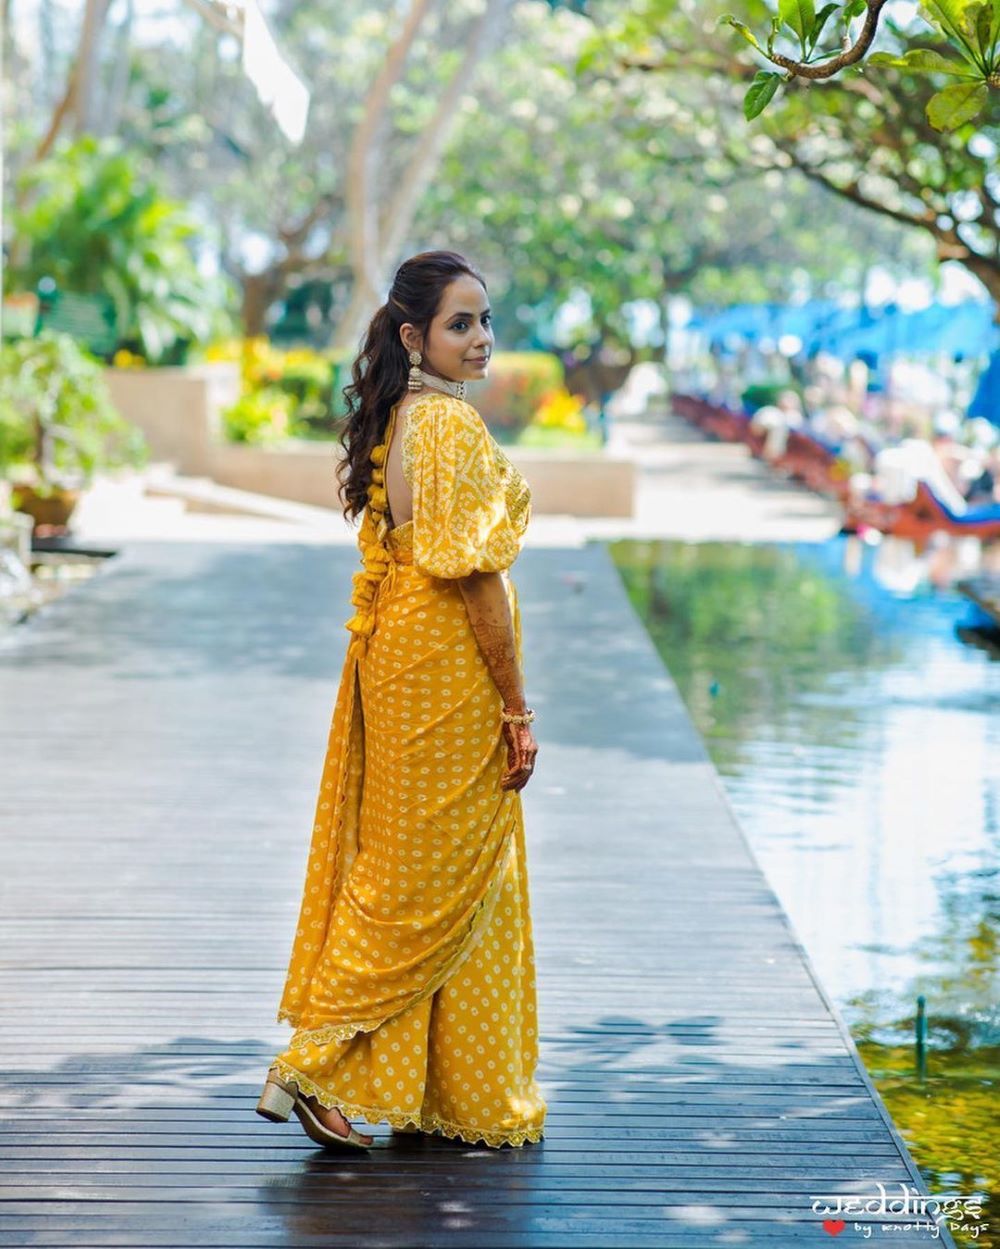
486 601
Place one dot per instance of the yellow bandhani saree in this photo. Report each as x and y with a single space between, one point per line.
411 983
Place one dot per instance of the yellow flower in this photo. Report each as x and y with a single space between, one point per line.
561 410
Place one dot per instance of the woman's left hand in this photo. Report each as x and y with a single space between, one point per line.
521 751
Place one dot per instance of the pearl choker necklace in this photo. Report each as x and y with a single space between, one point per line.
440 383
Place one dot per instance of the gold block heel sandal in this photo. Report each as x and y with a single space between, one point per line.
280 1097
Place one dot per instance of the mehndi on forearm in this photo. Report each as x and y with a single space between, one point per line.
489 614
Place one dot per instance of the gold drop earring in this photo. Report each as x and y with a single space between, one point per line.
418 379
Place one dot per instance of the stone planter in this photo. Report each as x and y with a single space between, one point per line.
179 411
561 482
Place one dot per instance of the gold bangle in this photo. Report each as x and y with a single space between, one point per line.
510 717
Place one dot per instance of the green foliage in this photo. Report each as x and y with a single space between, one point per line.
800 18
757 394
969 28
866 139
518 384
560 421
961 102
822 18
546 216
651 205
973 31
760 94
542 437
341 361
728 19
261 417
16 434
92 218
285 393
800 15
58 425
289 394
922 60
307 379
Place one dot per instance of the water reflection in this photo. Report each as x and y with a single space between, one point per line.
859 739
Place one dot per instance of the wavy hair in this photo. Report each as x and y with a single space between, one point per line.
382 368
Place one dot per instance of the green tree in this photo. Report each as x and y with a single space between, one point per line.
93 218
616 183
830 40
621 189
864 136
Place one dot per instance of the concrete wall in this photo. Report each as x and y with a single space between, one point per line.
179 412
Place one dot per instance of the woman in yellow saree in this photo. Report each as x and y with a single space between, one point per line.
411 982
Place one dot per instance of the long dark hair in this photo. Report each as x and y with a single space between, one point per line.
382 368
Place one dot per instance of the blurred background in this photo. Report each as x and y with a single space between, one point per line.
746 332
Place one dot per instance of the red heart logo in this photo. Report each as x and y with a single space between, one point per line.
834 1226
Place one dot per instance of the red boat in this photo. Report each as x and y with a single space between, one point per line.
923 515
818 465
815 464
720 422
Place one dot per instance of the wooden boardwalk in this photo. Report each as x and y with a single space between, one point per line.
162 730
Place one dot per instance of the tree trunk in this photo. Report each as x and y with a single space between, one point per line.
362 193
118 86
85 72
376 243
260 290
425 159
673 281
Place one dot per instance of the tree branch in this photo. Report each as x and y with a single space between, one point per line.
850 56
853 192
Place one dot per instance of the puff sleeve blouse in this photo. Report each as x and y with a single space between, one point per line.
471 505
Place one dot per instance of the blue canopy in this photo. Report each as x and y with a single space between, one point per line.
967 329
986 401
751 321
822 325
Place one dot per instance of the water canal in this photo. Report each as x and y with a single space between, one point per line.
850 699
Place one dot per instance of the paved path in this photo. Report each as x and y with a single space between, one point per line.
162 729
695 488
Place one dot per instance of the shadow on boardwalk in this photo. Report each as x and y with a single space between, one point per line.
165 725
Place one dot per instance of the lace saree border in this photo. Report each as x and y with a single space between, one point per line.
408 1118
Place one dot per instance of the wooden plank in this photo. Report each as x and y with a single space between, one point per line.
453 1229
167 720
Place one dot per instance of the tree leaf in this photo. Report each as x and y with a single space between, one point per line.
949 108
925 61
988 30
953 17
729 20
995 30
821 19
584 61
760 93
799 14
953 13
